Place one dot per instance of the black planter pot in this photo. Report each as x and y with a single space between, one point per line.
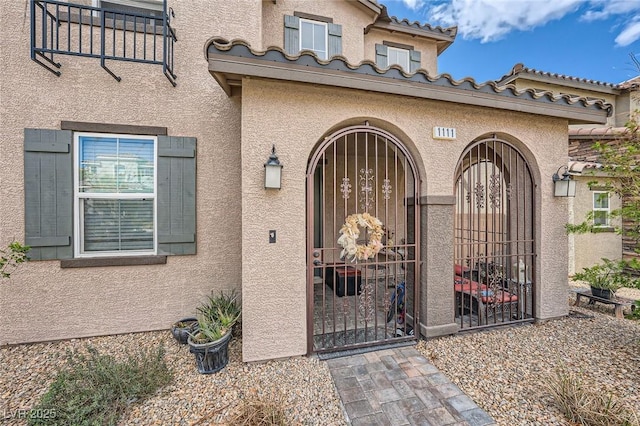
211 357
182 333
603 293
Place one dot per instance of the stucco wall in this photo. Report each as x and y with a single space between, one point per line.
44 302
273 275
590 248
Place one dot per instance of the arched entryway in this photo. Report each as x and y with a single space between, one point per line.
351 302
494 246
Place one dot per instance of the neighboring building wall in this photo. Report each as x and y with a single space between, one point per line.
590 248
273 275
41 301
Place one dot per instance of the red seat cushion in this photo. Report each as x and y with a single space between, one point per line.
459 269
501 297
465 285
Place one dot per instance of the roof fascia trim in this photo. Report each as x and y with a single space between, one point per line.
393 27
371 5
558 81
222 64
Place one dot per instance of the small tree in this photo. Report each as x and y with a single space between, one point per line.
11 257
620 160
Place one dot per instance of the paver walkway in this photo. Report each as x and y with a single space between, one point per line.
400 387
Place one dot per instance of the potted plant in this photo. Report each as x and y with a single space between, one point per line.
210 341
181 329
606 278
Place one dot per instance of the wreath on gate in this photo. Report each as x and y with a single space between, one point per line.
351 231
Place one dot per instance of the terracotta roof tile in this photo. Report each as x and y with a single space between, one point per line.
519 69
384 17
597 132
633 83
242 49
577 167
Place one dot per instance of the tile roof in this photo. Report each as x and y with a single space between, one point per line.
597 132
427 28
577 167
519 70
444 36
226 56
633 83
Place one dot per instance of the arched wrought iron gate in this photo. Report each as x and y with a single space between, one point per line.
494 247
357 170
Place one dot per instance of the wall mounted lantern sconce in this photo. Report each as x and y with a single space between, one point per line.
563 186
273 171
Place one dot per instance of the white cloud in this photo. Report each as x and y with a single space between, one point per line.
413 4
491 20
604 10
629 34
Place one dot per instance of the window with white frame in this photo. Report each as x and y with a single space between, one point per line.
143 7
399 57
313 36
115 194
152 7
601 208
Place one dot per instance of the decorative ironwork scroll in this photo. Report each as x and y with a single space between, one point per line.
479 193
386 188
495 191
345 188
366 190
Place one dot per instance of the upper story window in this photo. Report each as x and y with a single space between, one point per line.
310 32
147 7
390 53
398 56
601 208
313 36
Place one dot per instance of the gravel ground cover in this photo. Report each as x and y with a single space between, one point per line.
502 370
192 399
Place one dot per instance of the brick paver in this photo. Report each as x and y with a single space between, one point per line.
400 387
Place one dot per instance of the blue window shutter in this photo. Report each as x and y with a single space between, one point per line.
414 60
381 56
291 35
48 193
176 195
335 39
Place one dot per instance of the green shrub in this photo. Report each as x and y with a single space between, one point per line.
221 308
609 274
96 389
216 316
11 257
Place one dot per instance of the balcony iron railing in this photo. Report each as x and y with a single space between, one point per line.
62 28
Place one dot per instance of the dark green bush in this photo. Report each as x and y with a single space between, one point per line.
96 389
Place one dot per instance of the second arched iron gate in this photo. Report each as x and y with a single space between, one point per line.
494 245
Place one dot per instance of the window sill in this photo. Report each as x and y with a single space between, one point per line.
601 229
113 261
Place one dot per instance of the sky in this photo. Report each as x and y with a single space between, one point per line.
590 39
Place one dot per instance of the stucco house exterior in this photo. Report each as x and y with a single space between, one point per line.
586 250
136 172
